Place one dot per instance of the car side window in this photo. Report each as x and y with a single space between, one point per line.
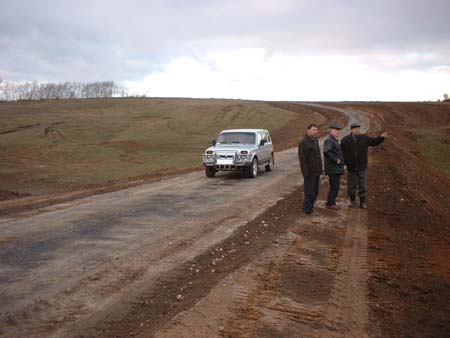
264 136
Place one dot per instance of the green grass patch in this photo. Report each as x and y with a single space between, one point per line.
434 145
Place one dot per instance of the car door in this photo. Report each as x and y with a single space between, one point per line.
269 146
259 150
264 151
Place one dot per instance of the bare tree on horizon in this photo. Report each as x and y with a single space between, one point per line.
66 90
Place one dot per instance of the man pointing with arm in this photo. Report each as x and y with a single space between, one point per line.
355 150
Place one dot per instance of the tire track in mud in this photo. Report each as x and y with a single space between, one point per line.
317 288
348 310
310 283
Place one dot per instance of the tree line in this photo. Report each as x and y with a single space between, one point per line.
67 90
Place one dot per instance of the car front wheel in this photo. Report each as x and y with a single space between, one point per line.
210 171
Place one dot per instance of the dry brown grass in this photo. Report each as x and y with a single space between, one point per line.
58 146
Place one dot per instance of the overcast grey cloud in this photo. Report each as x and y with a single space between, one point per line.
125 41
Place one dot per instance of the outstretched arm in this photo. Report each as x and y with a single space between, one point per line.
374 141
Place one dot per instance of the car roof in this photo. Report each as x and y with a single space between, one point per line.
243 130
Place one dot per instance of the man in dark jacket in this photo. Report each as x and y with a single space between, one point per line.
355 149
334 164
311 166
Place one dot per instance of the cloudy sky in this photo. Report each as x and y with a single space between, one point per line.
251 49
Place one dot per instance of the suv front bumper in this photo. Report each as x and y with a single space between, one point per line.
228 167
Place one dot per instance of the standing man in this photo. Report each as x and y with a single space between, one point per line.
334 164
311 166
355 149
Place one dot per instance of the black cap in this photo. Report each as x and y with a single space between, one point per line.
336 126
355 125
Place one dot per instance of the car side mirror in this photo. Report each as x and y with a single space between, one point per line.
263 142
214 142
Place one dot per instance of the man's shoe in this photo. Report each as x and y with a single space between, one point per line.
352 201
333 207
362 203
311 212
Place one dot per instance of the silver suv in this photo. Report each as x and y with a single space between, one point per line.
240 150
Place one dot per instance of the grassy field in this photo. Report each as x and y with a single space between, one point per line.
52 146
435 146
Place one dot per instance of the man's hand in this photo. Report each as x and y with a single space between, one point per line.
385 134
338 161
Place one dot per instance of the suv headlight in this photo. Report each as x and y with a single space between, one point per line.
209 156
242 156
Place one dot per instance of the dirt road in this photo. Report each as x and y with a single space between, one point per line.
75 269
310 282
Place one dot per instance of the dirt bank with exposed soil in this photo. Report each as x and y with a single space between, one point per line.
409 223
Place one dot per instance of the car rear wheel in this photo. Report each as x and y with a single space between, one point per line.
253 170
269 166
210 171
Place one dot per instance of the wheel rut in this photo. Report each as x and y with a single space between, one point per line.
311 282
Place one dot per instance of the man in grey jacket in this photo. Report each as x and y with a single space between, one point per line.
334 164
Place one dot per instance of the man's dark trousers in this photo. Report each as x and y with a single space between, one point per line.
311 186
357 182
335 184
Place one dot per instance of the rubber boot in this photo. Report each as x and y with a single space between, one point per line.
352 201
362 202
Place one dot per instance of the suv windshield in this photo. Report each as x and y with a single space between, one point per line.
236 138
